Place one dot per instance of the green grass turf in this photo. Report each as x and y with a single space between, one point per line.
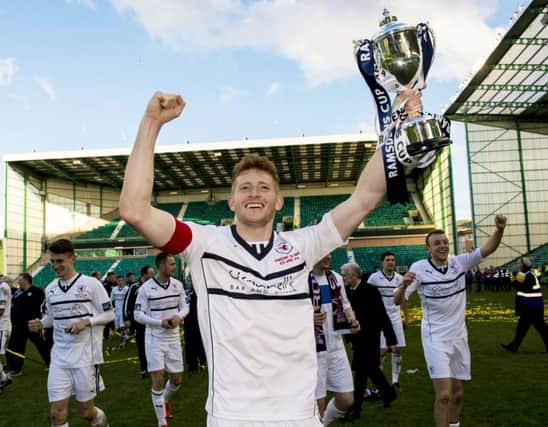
506 389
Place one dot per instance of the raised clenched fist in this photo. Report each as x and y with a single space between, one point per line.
164 107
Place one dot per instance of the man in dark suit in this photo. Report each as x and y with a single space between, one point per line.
147 272
26 305
367 303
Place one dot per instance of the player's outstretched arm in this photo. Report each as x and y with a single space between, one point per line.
153 224
494 240
371 185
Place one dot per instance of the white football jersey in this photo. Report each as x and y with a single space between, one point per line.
443 295
387 286
83 298
256 319
5 304
158 301
118 295
333 341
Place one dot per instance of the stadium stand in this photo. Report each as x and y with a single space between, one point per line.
46 274
100 233
87 266
369 257
314 207
539 256
384 216
206 213
338 258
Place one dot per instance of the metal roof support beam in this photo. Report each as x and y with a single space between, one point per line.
520 67
116 182
494 118
523 88
523 189
165 171
57 170
196 168
527 41
503 104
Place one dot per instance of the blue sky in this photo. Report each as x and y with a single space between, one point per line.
79 73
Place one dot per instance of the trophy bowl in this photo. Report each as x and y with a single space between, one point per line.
398 54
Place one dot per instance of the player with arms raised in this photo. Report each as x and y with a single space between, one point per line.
252 283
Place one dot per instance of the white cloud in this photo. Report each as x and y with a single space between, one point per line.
21 100
316 34
8 68
46 86
87 3
228 93
273 89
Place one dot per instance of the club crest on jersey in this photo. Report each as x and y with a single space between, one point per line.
81 291
283 248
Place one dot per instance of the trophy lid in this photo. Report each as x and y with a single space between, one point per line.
389 24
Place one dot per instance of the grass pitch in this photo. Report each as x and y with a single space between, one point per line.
507 390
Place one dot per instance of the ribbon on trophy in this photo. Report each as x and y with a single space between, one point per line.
396 187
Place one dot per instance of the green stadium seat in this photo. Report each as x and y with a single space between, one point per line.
85 266
370 257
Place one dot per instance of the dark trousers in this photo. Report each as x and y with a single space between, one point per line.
18 344
194 348
526 319
140 340
106 330
366 364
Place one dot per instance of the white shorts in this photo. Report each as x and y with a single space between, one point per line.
397 325
220 422
334 373
118 320
163 356
447 359
84 383
4 338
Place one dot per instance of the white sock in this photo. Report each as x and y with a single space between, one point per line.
100 419
159 406
457 424
60 425
396 367
3 376
332 413
170 390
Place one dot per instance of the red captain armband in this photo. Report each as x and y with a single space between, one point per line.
180 239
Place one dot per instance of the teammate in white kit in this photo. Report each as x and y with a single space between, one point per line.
252 283
333 315
5 326
388 281
77 307
161 306
440 282
118 296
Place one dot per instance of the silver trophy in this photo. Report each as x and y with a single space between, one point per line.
399 56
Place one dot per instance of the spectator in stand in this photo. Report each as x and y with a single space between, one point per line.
97 274
25 305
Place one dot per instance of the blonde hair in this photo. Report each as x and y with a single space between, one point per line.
255 161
